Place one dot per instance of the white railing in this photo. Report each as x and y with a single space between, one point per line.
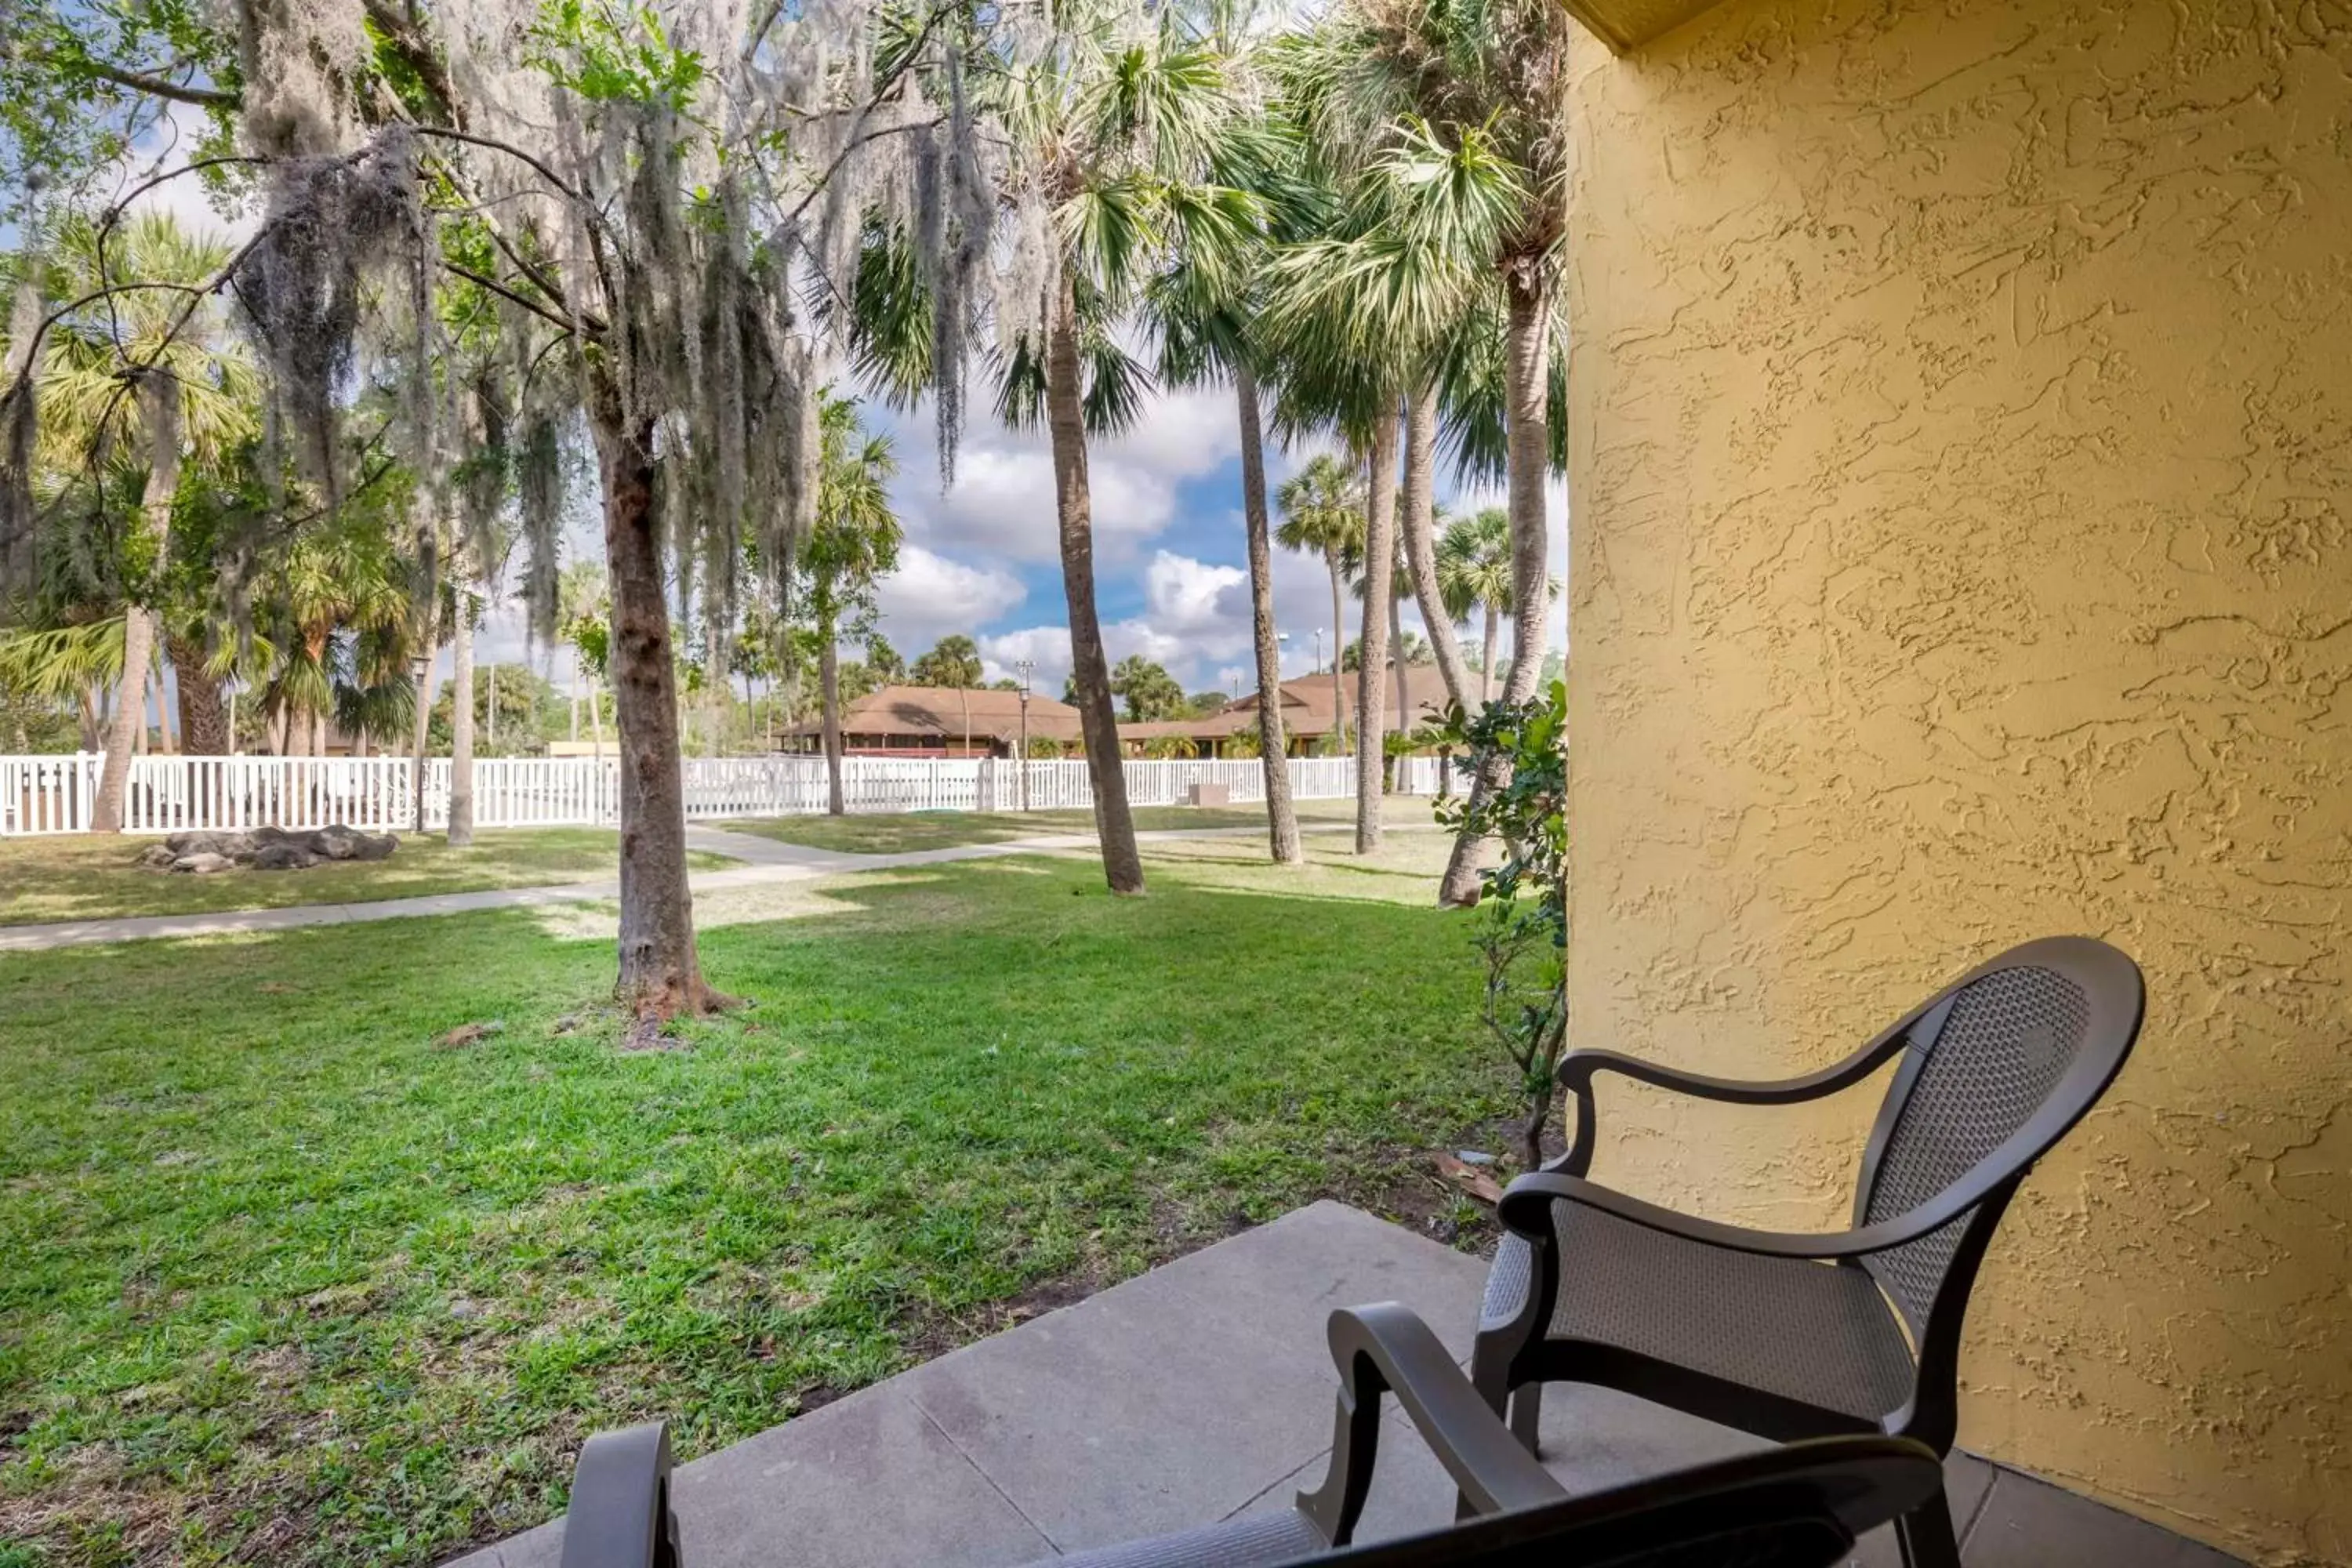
170 794
1426 775
47 795
173 794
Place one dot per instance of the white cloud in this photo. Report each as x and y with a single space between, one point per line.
1186 595
931 595
1048 646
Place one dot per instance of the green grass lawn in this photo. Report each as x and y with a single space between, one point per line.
84 877
289 1281
894 833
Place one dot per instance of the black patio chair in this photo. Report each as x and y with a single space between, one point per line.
1796 1507
1807 1336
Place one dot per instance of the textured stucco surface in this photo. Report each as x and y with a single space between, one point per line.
1961 476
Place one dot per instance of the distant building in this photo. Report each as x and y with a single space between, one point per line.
1307 721
940 722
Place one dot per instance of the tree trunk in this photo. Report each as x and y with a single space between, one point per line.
1281 815
93 732
461 722
659 973
1487 668
1528 452
596 717
1396 663
1417 525
138 694
203 719
1339 648
420 733
1122 866
1372 644
319 733
163 742
280 728
159 402
828 670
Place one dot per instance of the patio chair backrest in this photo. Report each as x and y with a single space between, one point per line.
1999 1067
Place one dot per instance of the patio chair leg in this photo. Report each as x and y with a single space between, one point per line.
1927 1536
1526 1415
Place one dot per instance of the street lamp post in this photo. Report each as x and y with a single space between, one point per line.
1025 668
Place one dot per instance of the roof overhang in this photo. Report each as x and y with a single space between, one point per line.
1627 24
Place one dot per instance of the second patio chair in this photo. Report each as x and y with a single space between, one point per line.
1792 1337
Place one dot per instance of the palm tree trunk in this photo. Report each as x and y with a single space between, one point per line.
660 974
1281 815
596 717
828 672
137 693
1527 450
138 636
1396 663
164 742
1090 671
461 722
1417 523
420 731
204 719
1372 645
1487 668
1338 643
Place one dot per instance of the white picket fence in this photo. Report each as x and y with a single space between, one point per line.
172 794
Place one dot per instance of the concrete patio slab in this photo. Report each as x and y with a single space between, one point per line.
1203 1390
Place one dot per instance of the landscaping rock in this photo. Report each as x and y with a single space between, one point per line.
265 850
180 844
341 843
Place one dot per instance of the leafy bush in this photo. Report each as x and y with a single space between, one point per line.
1521 934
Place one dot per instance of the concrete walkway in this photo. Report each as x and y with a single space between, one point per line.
1201 1391
765 860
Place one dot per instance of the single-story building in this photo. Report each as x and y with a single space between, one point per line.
940 722
1307 713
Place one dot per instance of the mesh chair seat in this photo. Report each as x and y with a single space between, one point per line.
1259 1540
1815 1332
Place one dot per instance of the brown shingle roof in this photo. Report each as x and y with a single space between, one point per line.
948 712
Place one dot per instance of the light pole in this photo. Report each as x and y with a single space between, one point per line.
1025 668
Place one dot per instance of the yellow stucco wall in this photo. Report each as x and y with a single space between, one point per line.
1961 497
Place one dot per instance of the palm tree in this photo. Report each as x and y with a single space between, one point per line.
582 606
142 371
1201 312
337 615
1111 117
1464 107
1322 514
851 546
1474 573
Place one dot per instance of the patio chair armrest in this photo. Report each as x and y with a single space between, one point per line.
1386 1348
1578 1070
1527 1205
620 1515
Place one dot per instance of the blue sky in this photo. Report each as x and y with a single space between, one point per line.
1169 563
